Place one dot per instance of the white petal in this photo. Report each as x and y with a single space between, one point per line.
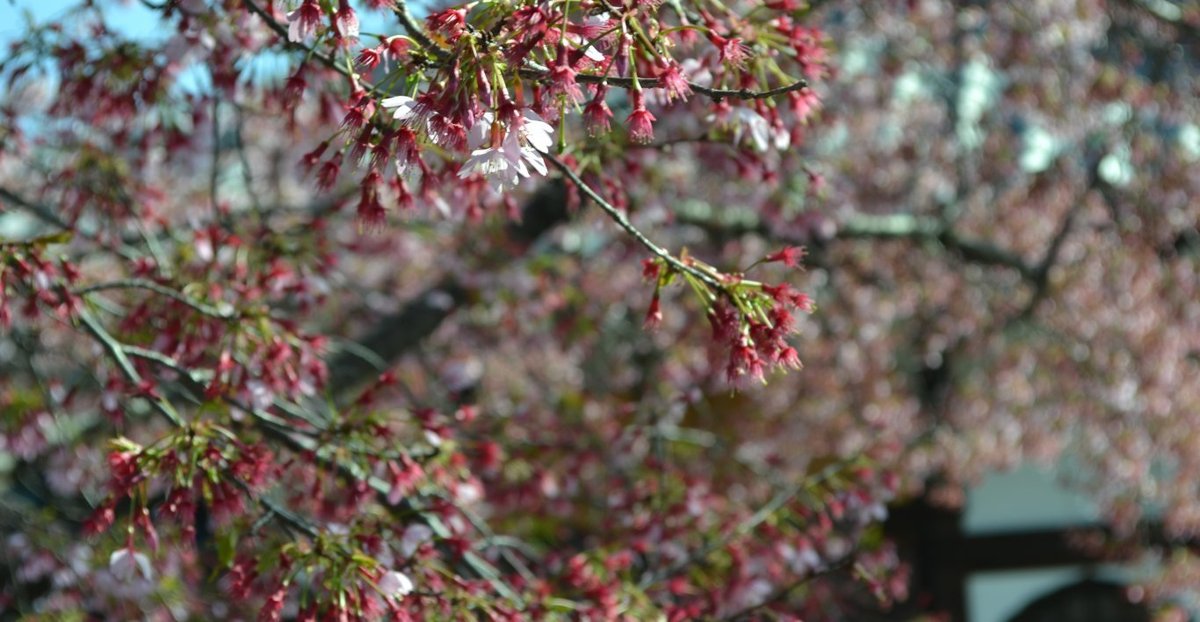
783 139
539 135
760 133
402 103
534 159
392 102
143 563
696 72
478 134
395 584
760 130
486 162
294 34
349 27
521 169
121 564
126 564
529 114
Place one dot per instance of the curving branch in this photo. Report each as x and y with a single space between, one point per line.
1041 274
116 352
533 70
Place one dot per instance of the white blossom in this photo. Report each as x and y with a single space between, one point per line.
504 166
299 29
746 120
125 563
536 132
494 164
395 584
782 138
402 107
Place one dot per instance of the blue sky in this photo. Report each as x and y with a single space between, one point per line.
130 17
136 21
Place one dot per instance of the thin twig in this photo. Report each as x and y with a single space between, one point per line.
623 221
42 212
282 31
538 72
279 431
416 32
148 285
1041 275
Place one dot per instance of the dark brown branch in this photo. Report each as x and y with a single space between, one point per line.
42 212
1041 274
394 335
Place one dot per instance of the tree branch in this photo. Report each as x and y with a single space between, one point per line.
623 222
272 427
400 8
537 72
1041 274
148 285
42 212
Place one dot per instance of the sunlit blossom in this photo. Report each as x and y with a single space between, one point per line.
506 164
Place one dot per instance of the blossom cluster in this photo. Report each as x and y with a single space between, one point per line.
480 90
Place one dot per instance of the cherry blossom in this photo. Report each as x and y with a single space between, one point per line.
395 584
126 564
